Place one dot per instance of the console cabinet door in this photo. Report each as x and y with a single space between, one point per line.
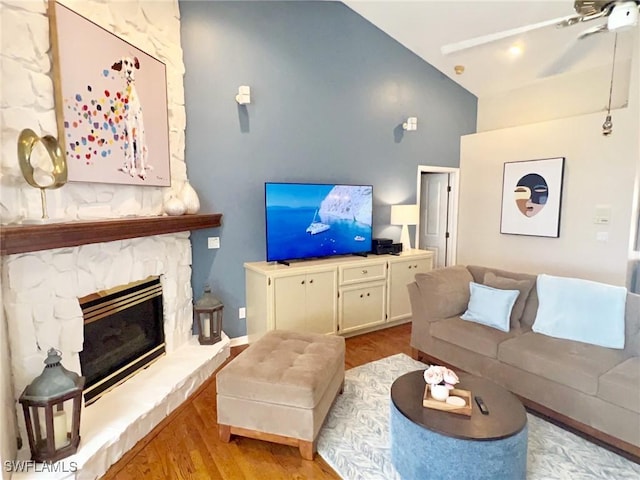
289 302
321 302
402 273
361 306
306 302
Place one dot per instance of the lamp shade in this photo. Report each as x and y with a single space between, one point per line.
404 214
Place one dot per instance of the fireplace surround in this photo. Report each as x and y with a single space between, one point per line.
41 292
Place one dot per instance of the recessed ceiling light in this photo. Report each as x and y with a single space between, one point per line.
515 50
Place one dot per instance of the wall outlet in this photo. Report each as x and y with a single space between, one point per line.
213 242
242 312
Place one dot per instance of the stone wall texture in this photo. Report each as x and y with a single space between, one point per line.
41 289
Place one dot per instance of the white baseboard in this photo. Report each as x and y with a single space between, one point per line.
235 342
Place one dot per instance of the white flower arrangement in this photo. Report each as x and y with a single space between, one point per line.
439 375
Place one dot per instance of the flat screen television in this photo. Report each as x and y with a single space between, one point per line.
306 220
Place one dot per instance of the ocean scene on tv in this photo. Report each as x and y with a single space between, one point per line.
313 220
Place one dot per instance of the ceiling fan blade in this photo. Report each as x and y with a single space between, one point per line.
493 37
593 30
572 54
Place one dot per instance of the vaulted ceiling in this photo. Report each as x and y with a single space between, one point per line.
546 53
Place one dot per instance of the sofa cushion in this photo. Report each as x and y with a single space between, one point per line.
445 291
531 303
632 325
621 385
575 364
490 306
471 336
523 286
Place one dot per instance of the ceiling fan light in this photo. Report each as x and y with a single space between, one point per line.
623 16
515 50
607 126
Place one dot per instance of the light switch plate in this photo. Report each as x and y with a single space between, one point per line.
213 242
242 312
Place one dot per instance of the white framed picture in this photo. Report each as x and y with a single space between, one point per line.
532 197
111 104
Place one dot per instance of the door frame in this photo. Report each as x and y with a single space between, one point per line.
452 213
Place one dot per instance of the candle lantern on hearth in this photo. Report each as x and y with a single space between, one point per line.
53 430
208 318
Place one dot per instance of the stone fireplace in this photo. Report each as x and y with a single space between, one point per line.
49 296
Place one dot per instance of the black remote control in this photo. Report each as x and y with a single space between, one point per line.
482 406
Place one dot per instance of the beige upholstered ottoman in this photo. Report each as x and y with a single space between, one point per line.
281 388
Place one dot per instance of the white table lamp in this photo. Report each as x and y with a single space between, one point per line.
405 215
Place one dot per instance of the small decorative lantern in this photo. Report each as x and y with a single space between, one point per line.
43 401
208 317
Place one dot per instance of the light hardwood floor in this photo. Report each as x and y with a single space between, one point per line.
186 445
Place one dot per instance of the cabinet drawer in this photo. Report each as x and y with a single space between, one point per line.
363 273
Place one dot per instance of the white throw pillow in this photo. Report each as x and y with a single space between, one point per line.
490 306
581 310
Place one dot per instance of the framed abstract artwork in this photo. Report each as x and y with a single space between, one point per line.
111 104
531 197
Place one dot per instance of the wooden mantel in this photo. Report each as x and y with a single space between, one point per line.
32 238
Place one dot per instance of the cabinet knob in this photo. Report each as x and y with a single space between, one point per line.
368 294
361 295
415 266
302 282
410 267
311 281
364 272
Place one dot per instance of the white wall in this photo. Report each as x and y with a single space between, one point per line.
556 97
26 101
598 171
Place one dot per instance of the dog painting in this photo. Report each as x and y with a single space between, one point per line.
105 87
135 150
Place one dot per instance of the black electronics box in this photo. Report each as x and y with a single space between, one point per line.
381 246
396 248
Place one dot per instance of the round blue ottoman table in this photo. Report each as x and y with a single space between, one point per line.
432 444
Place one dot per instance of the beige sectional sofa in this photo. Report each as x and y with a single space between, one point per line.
590 388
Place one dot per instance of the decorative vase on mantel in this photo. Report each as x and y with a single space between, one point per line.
189 198
173 206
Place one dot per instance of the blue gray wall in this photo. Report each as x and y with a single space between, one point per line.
329 92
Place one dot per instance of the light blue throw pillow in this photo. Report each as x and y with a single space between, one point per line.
490 306
581 310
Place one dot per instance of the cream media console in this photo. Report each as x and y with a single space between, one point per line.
342 295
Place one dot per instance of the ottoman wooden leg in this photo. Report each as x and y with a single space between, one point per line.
307 449
224 432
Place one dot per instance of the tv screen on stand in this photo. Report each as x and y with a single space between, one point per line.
308 220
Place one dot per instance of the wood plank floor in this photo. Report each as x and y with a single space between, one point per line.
186 446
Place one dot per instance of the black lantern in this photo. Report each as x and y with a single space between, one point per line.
51 436
208 316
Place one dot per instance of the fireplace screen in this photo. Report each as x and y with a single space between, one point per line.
123 333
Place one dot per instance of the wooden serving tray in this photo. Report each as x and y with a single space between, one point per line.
429 402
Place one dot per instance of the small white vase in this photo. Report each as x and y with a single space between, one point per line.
174 206
190 198
439 392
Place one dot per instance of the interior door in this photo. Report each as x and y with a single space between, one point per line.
434 221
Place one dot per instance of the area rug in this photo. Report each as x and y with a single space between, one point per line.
355 437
